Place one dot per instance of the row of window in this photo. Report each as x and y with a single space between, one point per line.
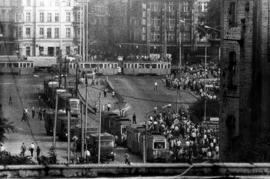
51 51
155 6
93 65
47 2
50 17
147 65
49 33
16 65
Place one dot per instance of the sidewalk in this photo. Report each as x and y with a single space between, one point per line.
94 91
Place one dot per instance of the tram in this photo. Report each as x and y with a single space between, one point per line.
17 67
126 68
104 68
147 68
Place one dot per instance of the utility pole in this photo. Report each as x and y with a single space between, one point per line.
144 144
148 31
82 132
68 147
86 111
55 120
99 128
35 24
87 32
65 77
205 61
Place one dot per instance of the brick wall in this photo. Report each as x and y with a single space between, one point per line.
244 136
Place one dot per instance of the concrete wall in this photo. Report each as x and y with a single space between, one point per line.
94 170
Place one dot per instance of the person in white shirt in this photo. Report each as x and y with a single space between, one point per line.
32 148
155 88
87 155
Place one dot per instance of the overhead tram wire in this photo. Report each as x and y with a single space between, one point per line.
18 94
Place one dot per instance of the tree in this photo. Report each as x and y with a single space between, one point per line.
197 109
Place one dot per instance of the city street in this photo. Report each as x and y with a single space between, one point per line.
24 90
138 91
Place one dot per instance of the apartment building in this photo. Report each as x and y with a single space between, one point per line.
45 27
8 44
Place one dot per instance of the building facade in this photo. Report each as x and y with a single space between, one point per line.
44 27
244 117
159 27
8 44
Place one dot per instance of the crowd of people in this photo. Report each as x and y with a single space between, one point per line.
195 78
187 141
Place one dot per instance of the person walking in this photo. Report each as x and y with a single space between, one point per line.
10 100
156 85
127 161
134 118
105 93
33 112
32 148
23 149
25 115
43 114
38 151
109 107
40 114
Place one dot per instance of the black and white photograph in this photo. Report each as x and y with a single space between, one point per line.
135 89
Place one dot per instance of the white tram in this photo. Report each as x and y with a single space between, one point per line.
105 68
17 67
151 68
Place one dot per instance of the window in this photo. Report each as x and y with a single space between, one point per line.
171 24
154 6
57 2
68 50
57 49
28 50
143 37
49 32
185 6
56 18
28 2
41 51
68 32
155 37
144 14
68 2
232 15
41 17
28 17
156 23
49 18
68 16
28 32
41 2
78 16
171 7
20 32
171 37
56 32
41 32
143 21
144 30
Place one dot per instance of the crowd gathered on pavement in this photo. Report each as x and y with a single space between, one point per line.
187 141
202 81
